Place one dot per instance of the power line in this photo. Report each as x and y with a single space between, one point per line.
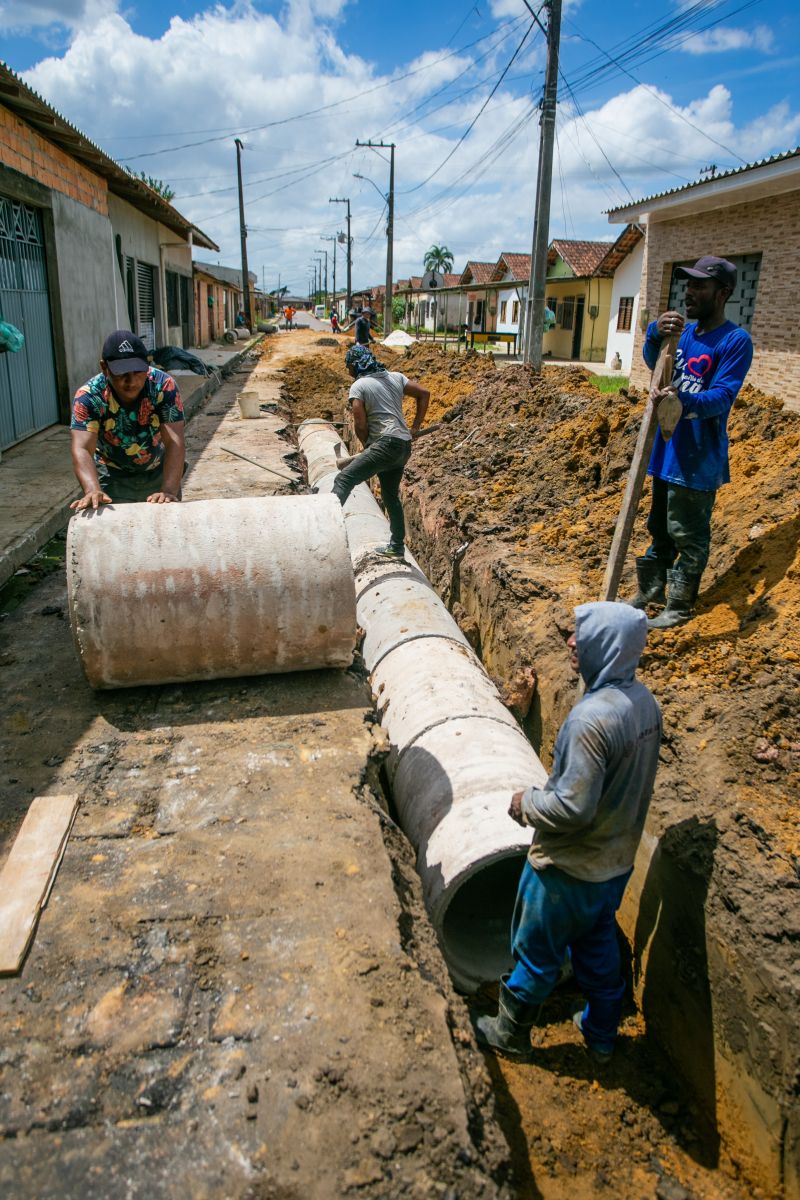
477 116
321 109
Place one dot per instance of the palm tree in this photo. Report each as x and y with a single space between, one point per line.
438 258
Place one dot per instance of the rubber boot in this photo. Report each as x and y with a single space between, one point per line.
509 1033
652 577
602 1055
681 594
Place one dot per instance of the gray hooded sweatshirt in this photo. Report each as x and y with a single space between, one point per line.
588 817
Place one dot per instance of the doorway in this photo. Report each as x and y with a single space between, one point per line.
578 330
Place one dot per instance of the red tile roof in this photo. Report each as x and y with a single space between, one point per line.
519 266
479 272
582 257
620 249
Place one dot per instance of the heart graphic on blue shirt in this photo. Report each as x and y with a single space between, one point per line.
699 366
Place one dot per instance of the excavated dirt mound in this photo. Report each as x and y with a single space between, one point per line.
540 462
511 507
316 386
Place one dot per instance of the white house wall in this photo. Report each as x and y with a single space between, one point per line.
509 296
140 240
627 282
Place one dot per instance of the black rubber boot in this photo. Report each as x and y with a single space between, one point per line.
652 577
509 1033
681 594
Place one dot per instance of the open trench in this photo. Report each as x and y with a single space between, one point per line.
703 1088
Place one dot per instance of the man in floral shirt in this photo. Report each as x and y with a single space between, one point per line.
127 429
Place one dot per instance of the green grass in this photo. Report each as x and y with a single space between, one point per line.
609 383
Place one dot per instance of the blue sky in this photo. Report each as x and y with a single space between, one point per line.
650 94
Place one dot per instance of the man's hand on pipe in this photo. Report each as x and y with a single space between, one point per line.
515 807
163 498
91 500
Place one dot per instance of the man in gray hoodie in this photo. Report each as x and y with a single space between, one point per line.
587 822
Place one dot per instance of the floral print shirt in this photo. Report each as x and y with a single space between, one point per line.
128 439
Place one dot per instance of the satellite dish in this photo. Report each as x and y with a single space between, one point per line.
431 280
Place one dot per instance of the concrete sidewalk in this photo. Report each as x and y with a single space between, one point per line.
37 484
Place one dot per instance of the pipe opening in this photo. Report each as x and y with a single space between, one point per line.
476 929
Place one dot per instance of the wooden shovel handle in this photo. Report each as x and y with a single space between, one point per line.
662 374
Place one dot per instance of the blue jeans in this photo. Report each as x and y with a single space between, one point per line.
555 912
680 525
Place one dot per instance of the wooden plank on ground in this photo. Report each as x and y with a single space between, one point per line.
28 874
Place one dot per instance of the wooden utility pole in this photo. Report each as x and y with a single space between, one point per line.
534 312
333 297
387 300
248 314
349 255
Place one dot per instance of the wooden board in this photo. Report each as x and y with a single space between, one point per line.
28 874
662 374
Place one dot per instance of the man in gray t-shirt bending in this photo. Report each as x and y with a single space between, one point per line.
376 399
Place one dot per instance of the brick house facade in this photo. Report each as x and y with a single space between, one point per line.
751 215
85 247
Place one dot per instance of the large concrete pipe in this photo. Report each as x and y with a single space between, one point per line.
457 754
210 589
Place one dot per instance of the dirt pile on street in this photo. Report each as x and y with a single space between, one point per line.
316 386
538 463
450 378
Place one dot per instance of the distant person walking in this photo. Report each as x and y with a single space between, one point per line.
363 330
376 398
127 429
712 360
334 323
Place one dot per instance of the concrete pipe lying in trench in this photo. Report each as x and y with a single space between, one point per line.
210 589
457 754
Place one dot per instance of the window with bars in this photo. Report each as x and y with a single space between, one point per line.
503 311
514 312
741 305
625 314
566 315
146 304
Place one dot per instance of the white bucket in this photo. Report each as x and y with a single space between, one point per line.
249 404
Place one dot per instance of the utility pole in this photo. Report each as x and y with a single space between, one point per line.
332 238
248 315
349 254
325 252
387 300
318 261
534 322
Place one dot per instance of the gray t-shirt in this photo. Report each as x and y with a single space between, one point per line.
382 397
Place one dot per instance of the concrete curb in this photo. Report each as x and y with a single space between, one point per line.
48 523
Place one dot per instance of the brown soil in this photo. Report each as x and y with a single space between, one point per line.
511 508
234 992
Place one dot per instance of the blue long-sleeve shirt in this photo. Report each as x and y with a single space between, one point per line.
709 370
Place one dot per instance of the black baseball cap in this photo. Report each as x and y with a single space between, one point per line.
123 351
710 267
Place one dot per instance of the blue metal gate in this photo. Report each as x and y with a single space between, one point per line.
28 396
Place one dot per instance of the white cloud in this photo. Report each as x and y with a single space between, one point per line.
715 41
228 70
24 16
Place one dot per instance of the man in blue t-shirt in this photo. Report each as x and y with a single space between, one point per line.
711 361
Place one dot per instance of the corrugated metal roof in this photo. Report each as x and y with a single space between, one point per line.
699 183
34 110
